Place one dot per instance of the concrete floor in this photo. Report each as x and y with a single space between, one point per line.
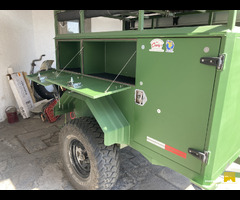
30 160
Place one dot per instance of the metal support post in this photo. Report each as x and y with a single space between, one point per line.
140 20
232 15
82 26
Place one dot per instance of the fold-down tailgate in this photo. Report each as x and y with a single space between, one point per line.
89 86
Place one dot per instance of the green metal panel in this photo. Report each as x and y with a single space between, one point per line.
94 59
117 54
69 102
109 56
67 50
181 88
199 31
110 118
34 78
82 24
140 20
189 105
91 87
232 16
223 140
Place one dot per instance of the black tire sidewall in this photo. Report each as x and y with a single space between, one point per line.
69 133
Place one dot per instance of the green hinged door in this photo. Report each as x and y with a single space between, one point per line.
177 91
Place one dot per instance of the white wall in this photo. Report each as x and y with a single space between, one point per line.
44 33
101 24
24 36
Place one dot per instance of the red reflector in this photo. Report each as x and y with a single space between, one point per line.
175 151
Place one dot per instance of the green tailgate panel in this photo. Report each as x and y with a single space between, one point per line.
179 92
90 87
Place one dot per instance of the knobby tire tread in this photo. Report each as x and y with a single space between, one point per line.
107 157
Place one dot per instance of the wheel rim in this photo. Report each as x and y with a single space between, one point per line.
79 158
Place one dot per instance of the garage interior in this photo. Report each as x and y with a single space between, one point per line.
29 153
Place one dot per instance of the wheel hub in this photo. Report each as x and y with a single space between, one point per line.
79 158
80 155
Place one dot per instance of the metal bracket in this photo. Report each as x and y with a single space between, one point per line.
41 78
74 85
199 155
214 61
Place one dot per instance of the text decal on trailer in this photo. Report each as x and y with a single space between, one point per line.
156 45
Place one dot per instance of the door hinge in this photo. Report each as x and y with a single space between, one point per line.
214 61
199 155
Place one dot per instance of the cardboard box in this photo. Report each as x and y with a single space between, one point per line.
21 93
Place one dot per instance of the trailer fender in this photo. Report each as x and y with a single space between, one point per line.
108 115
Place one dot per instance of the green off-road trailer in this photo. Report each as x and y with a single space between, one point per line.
165 82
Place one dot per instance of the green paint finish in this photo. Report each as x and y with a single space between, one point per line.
189 104
69 103
109 57
199 105
94 59
110 118
91 87
67 50
49 74
117 54
223 140
181 87
66 104
199 31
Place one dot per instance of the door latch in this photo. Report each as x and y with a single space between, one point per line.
214 61
199 155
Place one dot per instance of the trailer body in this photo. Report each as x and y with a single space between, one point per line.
172 94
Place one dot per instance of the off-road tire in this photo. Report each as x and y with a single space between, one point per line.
104 160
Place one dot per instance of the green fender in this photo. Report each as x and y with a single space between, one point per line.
108 115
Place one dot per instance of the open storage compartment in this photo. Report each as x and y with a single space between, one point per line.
109 58
69 55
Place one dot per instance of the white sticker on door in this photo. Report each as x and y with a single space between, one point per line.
156 45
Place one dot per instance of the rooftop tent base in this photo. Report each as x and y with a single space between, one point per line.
75 14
